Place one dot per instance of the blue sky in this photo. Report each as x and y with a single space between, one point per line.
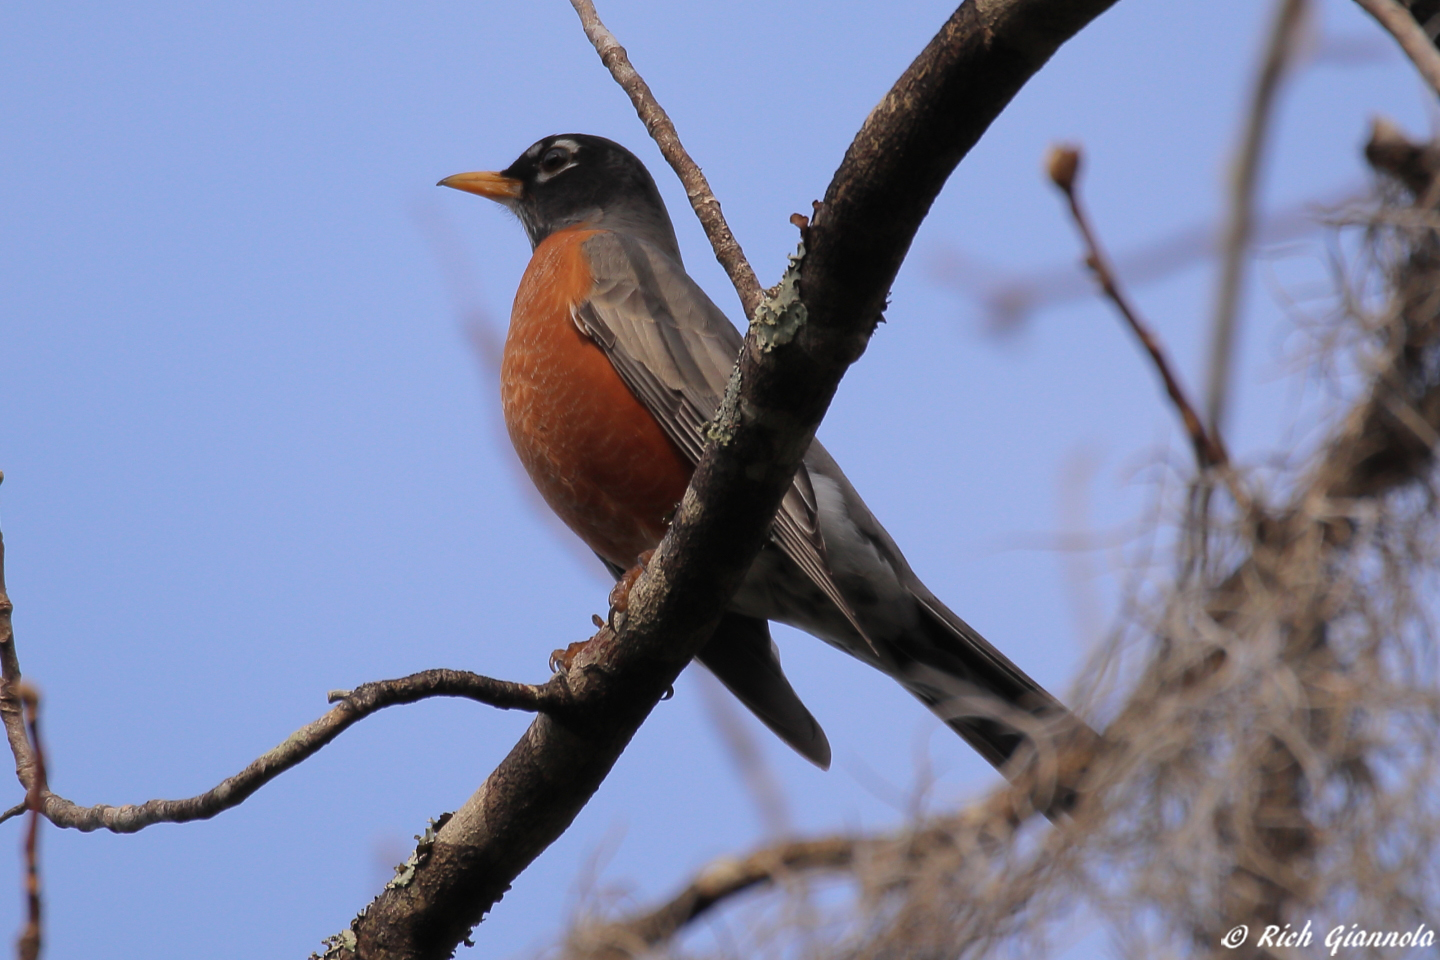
251 453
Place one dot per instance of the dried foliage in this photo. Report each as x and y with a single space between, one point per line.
1272 697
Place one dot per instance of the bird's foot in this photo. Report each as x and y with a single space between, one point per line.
560 660
620 593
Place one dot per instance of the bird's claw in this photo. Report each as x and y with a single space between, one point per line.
560 660
620 593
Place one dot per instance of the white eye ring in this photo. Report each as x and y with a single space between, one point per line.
556 159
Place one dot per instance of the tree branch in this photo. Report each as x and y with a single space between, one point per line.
1292 585
876 201
11 712
1063 166
351 707
28 945
712 886
1410 35
15 811
907 148
657 122
1240 225
304 743
984 825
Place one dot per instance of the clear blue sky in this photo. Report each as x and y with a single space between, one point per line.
250 454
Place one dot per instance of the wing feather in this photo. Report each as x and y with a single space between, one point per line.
675 349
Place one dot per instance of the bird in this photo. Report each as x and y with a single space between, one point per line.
614 361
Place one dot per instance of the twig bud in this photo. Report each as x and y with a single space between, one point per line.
1062 164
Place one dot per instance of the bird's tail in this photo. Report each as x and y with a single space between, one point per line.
743 657
979 692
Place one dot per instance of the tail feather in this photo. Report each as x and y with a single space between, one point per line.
994 705
972 686
742 656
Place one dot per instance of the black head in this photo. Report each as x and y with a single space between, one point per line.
575 178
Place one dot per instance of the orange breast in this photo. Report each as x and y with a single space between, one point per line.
596 454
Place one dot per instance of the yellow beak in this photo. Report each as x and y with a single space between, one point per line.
496 186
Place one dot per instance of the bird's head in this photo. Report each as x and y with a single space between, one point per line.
574 179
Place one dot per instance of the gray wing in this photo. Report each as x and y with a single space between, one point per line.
675 349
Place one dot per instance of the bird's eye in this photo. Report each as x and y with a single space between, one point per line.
554 159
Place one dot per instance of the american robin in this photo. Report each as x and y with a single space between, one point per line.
614 361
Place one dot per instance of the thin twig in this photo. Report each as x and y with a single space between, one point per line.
351 706
16 698
657 122
1240 217
502 694
1410 35
27 946
1063 166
